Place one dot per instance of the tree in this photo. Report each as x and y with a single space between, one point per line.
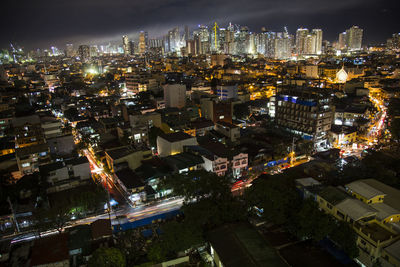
241 111
105 257
153 133
276 195
316 228
395 129
346 238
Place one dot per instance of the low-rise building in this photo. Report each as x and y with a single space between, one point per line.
31 157
232 132
173 143
126 154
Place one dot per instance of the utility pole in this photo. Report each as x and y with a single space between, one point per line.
292 153
13 214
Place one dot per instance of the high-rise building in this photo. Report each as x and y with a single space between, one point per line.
125 45
84 53
69 51
142 42
394 42
301 36
308 43
354 38
187 33
342 41
132 48
282 46
306 112
175 95
94 51
318 40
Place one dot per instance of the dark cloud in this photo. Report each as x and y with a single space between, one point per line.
45 22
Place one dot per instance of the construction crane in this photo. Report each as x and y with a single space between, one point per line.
215 35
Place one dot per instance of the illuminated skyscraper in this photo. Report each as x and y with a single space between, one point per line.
69 51
125 45
94 51
354 38
282 46
308 43
342 40
301 36
394 42
84 53
318 40
142 42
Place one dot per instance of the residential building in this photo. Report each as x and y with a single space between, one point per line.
50 251
229 130
184 162
126 155
132 184
31 157
175 95
307 112
216 110
173 143
61 145
28 131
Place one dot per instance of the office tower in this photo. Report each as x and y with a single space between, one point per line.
306 112
191 47
308 43
269 39
94 51
175 95
28 131
342 40
84 53
142 42
187 33
132 48
172 41
394 42
282 46
69 51
125 45
354 38
156 43
203 38
301 36
318 40
242 41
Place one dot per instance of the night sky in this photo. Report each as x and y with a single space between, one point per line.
42 23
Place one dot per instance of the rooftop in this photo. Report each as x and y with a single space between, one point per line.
129 178
176 137
20 121
364 189
333 195
384 210
101 228
240 245
392 197
394 249
50 249
376 232
120 152
355 209
184 160
31 150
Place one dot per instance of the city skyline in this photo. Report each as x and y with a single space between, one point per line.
91 23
